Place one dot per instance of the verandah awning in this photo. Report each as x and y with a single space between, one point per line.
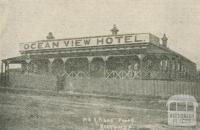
15 60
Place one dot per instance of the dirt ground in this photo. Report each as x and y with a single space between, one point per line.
42 112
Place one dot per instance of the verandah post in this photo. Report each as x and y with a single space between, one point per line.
5 75
8 74
1 80
89 65
141 57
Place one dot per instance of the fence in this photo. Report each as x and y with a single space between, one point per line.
133 87
108 86
32 81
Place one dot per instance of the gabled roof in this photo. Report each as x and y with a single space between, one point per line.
173 52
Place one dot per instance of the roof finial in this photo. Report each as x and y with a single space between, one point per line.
50 36
164 40
114 30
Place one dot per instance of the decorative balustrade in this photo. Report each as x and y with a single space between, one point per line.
122 75
145 74
77 75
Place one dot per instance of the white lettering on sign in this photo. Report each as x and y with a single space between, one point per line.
86 42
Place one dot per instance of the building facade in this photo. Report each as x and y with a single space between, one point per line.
116 56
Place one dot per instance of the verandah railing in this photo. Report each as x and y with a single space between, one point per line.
151 75
77 75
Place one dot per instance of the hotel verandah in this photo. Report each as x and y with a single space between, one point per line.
104 61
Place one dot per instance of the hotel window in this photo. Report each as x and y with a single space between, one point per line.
163 64
173 66
178 67
166 64
182 68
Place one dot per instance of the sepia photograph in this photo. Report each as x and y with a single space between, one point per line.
99 65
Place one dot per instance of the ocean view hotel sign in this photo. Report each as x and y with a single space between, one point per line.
89 41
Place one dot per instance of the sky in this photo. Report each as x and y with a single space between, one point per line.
31 20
